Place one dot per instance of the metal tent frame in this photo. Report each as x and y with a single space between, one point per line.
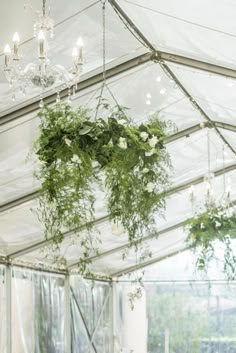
113 70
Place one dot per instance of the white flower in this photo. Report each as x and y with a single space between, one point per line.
144 135
52 205
202 226
76 159
68 142
218 224
150 187
153 141
145 170
122 143
122 122
110 143
96 164
150 153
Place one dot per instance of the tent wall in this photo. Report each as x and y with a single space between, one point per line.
36 316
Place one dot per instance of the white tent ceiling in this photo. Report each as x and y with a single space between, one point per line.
186 95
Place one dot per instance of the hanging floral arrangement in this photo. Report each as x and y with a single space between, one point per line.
77 153
216 224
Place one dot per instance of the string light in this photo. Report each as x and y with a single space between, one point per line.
163 91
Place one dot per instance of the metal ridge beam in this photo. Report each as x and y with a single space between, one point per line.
148 263
126 245
178 135
19 201
199 180
178 188
172 191
45 242
33 195
198 64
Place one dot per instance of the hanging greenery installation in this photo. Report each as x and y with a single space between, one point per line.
77 154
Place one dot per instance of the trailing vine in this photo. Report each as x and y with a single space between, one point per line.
76 154
216 224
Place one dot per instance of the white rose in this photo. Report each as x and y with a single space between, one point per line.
202 226
218 224
144 135
68 142
150 187
150 153
122 122
153 141
96 164
76 159
122 143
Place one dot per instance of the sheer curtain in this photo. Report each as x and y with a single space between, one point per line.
91 316
38 311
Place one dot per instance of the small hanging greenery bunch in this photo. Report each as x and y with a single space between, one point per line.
215 224
77 153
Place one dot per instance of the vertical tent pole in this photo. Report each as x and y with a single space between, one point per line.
67 315
112 319
9 307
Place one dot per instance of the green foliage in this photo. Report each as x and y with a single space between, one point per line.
217 223
76 152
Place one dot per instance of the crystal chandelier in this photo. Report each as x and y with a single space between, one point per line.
40 73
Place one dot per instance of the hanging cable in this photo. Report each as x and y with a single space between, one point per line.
103 55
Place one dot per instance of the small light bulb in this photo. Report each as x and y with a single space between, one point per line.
148 102
7 49
80 42
148 95
228 180
191 189
230 83
16 38
163 91
75 52
41 35
158 79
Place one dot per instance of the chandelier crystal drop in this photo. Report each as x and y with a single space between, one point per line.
40 73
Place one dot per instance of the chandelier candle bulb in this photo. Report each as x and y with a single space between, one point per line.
16 41
75 53
41 39
7 53
80 45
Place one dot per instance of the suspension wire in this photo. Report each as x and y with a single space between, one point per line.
103 56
